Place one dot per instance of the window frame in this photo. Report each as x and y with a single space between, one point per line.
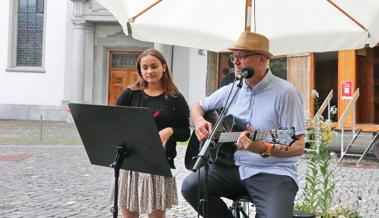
280 57
12 41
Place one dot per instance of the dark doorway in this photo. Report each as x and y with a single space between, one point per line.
368 84
326 79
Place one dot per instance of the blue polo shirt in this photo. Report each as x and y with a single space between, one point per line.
273 103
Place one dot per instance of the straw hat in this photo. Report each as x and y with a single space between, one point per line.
253 42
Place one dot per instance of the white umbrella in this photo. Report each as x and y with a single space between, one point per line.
366 13
292 26
123 10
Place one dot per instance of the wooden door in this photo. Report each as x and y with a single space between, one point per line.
376 83
365 82
122 73
299 72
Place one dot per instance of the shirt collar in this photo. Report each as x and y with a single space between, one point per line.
261 85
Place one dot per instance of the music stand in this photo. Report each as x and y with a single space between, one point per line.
122 138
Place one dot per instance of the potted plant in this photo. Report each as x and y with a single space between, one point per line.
320 184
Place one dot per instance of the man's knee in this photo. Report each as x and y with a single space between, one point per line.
189 187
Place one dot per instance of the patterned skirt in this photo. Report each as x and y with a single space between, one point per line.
143 193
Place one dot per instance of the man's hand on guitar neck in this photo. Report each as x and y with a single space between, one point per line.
259 147
244 142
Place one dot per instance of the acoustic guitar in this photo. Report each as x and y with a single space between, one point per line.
223 148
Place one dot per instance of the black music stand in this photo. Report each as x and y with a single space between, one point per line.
122 138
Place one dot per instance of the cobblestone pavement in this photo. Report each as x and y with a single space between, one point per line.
30 132
59 181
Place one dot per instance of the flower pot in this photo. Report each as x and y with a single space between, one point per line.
302 214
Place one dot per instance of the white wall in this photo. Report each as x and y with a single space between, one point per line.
197 75
36 88
181 70
68 52
4 29
190 71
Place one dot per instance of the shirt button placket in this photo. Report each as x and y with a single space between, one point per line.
252 99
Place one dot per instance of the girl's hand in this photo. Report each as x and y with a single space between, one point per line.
165 135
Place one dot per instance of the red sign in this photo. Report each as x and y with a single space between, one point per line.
347 89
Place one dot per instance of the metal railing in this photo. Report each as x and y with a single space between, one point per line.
325 104
316 117
344 116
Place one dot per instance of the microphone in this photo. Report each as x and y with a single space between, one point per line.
246 73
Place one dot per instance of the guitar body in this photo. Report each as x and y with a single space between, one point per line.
223 148
222 153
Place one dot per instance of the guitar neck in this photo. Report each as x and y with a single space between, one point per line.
231 137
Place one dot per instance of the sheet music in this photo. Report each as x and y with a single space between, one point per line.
173 172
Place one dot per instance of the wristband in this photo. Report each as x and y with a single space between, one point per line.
268 150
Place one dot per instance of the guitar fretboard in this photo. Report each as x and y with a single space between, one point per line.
226 137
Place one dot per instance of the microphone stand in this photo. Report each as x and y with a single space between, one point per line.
203 156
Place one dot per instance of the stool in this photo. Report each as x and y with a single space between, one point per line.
239 208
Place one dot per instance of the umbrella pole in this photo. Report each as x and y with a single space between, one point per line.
249 3
348 15
144 10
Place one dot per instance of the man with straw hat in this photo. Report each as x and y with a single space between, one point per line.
266 172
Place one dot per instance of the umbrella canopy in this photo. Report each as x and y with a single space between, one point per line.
123 10
293 26
365 12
